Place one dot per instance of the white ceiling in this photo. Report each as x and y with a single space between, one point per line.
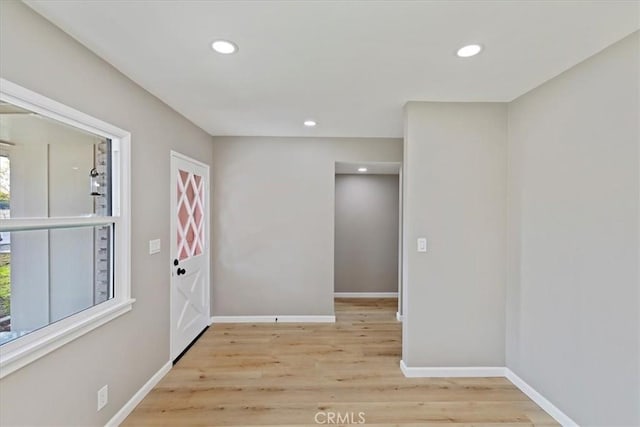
350 65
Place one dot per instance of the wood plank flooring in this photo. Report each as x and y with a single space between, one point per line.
311 374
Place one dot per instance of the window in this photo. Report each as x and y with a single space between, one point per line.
64 225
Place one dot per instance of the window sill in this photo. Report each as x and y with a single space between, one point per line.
22 351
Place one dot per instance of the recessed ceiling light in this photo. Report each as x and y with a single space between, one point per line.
310 123
362 169
469 50
224 46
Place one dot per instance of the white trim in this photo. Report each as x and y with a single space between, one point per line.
128 407
399 316
365 294
26 349
42 342
121 206
24 224
498 371
400 244
451 372
29 100
189 159
272 319
540 400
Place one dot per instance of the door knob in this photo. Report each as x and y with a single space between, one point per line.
176 262
181 271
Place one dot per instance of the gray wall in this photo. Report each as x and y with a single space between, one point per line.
573 327
455 195
273 221
366 233
39 56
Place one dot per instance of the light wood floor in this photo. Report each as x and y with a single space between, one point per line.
284 374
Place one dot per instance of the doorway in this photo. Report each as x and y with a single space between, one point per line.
189 252
367 230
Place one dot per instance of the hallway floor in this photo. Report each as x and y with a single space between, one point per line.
314 374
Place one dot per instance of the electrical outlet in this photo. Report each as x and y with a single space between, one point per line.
103 397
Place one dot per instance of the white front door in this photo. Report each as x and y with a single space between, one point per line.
189 251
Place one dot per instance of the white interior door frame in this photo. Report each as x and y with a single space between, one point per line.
399 314
177 157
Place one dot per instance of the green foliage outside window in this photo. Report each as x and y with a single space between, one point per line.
5 284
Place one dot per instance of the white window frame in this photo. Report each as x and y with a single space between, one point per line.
30 347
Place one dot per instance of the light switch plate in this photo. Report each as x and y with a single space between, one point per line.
154 246
422 244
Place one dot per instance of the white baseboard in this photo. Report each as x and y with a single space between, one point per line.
540 400
439 372
399 317
365 294
128 407
273 319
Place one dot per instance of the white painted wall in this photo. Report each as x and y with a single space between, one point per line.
273 221
573 331
454 195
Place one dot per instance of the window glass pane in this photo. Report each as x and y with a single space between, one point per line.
47 275
190 219
54 170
